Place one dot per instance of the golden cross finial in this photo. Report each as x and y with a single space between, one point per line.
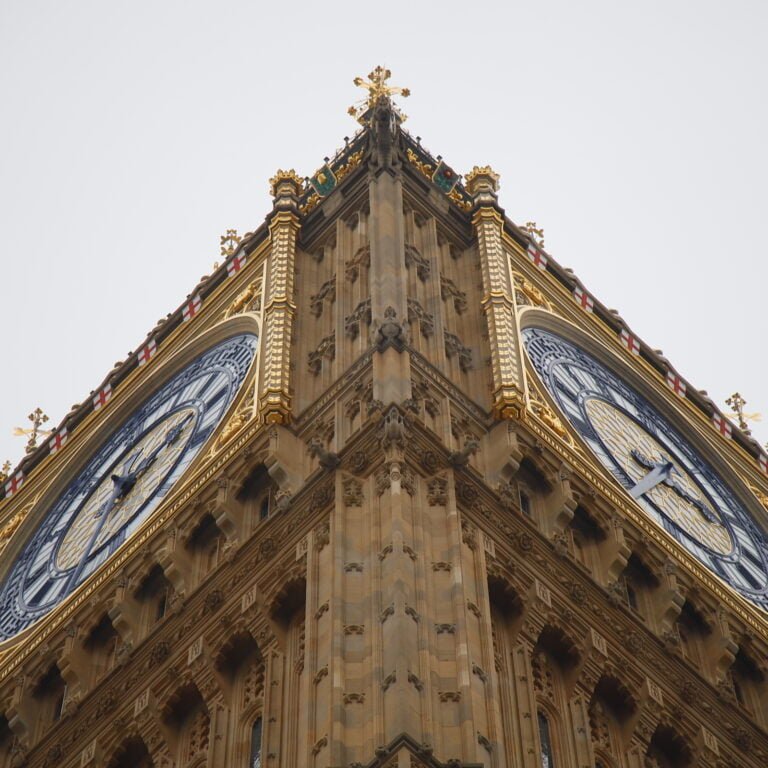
38 418
5 471
737 402
376 85
229 242
536 232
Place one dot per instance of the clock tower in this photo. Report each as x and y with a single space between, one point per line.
389 489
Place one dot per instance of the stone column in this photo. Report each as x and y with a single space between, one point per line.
508 370
279 308
387 275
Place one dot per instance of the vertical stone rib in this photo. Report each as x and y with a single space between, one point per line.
498 299
275 396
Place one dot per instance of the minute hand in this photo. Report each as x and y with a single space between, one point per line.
658 474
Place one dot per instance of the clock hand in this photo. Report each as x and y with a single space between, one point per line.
651 481
658 474
705 511
119 489
171 437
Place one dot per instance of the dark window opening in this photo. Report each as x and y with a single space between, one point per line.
255 760
547 756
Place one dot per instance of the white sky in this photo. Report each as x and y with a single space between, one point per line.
132 134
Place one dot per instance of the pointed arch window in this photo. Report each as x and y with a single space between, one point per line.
545 739
255 759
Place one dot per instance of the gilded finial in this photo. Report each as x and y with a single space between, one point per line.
737 402
376 85
229 242
289 176
5 472
482 171
38 418
536 232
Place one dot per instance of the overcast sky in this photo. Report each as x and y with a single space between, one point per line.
132 134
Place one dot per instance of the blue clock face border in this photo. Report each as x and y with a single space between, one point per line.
581 386
123 482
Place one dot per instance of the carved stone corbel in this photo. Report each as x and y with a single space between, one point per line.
327 459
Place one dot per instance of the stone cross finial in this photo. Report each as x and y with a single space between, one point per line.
229 242
737 402
536 232
376 85
38 418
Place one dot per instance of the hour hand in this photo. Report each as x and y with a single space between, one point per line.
170 437
706 513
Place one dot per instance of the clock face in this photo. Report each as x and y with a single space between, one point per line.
123 483
668 478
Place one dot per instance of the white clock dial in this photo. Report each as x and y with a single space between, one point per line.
124 481
658 467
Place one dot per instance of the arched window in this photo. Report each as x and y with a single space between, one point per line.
639 584
545 739
506 618
693 630
255 759
6 742
525 502
132 753
748 684
154 595
101 646
257 495
49 695
532 487
669 749
206 542
587 537
609 710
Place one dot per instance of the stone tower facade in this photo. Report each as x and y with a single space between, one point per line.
394 552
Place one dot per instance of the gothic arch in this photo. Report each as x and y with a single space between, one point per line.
242 661
242 472
187 721
555 639
290 598
234 662
611 710
669 748
6 741
132 752
503 594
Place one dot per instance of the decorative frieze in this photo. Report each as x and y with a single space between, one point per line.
352 492
437 492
